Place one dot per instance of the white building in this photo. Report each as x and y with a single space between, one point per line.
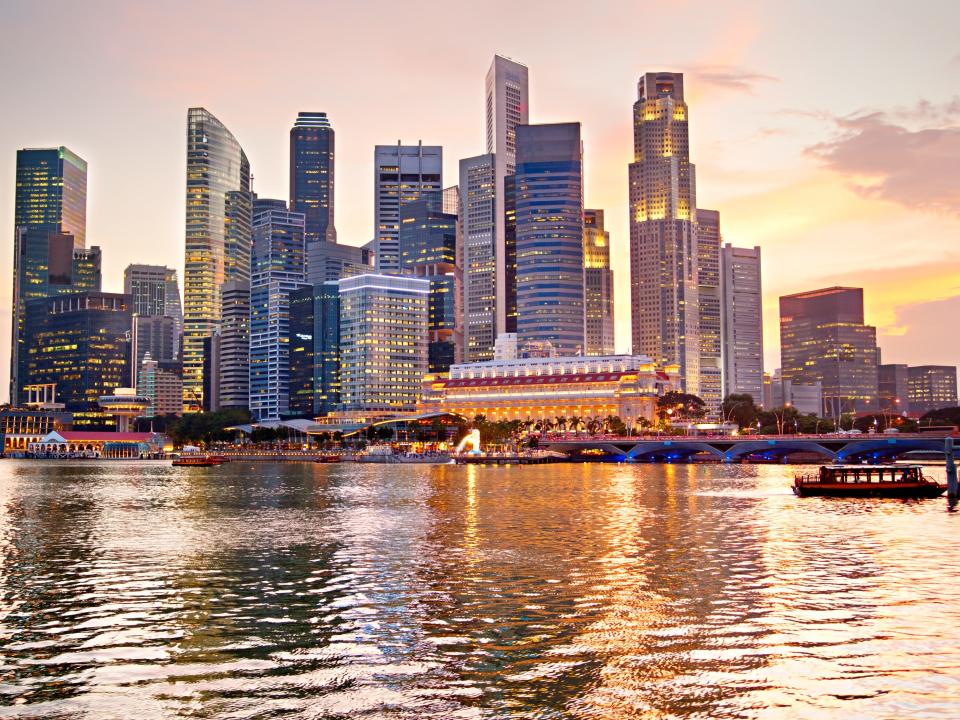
742 321
402 173
478 216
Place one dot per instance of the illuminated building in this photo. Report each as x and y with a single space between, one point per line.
154 334
507 106
314 349
233 370
402 173
20 427
625 386
51 192
162 385
79 343
931 387
742 321
549 220
663 239
157 314
312 176
708 297
217 244
124 404
278 269
383 341
478 213
893 384
823 339
597 285
428 250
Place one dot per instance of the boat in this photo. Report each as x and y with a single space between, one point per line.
885 481
377 454
196 461
218 459
328 458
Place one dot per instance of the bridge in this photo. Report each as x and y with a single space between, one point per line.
835 448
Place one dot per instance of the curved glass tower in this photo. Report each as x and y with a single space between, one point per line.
217 248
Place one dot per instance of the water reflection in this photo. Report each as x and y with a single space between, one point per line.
580 591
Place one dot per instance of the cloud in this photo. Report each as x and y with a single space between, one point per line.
921 334
882 159
727 77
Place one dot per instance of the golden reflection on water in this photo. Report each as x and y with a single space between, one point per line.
581 591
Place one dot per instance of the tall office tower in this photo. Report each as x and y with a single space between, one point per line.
327 261
315 349
162 384
79 343
402 173
931 387
893 384
663 238
311 175
157 316
51 192
742 322
823 339
428 249
383 342
597 285
507 106
278 269
156 335
549 206
233 376
211 372
217 246
478 213
708 295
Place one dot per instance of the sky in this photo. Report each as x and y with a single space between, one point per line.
827 133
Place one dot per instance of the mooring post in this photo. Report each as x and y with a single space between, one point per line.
953 488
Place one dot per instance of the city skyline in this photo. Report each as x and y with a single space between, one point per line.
834 193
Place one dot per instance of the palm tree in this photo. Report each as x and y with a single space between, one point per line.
576 424
561 423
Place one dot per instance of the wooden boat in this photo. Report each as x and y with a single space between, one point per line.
887 481
195 461
218 459
328 459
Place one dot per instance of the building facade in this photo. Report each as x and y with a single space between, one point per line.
623 386
598 285
549 222
162 384
329 262
312 176
51 192
315 349
153 291
233 368
478 215
663 237
931 387
278 269
823 339
217 239
402 173
741 321
893 384
154 334
384 323
708 297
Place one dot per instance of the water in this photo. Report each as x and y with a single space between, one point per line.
566 591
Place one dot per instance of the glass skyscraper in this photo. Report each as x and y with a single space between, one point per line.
51 192
478 214
314 349
549 218
312 175
217 246
742 321
598 285
708 296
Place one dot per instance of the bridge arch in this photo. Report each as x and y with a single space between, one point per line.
886 448
776 449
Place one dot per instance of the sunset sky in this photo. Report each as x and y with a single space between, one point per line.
828 133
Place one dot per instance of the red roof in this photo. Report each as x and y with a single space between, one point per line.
83 435
534 380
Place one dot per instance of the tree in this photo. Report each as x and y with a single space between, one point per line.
943 416
739 408
679 405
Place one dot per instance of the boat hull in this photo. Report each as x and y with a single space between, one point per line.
877 490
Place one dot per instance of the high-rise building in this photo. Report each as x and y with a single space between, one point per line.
708 296
51 192
315 349
154 334
893 384
383 341
549 207
663 238
45 264
153 290
278 269
217 246
742 322
211 373
823 339
233 376
79 343
402 173
597 285
507 106
428 249
311 175
478 215
931 387
328 262
162 385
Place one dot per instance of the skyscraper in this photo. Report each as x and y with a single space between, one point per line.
663 239
51 192
217 245
163 386
383 341
549 207
708 295
402 173
312 175
742 321
507 106
931 387
233 371
278 269
157 315
893 383
597 284
478 213
823 339
315 349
